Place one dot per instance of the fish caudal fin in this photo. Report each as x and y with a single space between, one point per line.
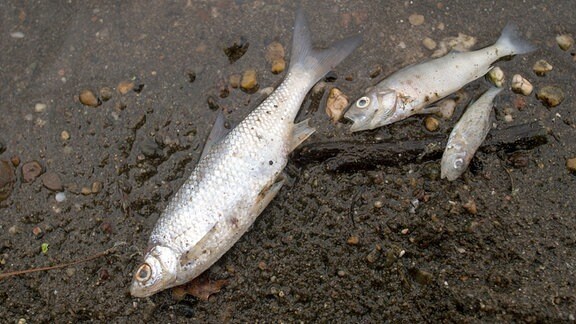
317 62
511 43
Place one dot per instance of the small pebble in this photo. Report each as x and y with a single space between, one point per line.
521 85
106 93
341 273
378 204
64 135
405 231
40 107
353 240
429 43
336 104
275 56
234 80
565 41
571 164
124 87
13 230
37 231
461 43
262 265
106 228
432 124
416 20
249 82
542 67
86 191
373 256
70 271
17 34
508 118
87 98
519 159
15 160
496 76
446 108
550 96
96 187
470 207
60 197
31 170
52 181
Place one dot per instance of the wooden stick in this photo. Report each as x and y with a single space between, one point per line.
59 266
354 155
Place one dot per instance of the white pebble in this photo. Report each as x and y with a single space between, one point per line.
508 118
60 197
521 85
496 76
40 107
17 34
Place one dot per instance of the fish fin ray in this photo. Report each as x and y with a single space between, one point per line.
300 133
217 133
315 62
192 254
266 195
512 43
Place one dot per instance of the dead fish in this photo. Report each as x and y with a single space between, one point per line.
410 90
467 135
237 176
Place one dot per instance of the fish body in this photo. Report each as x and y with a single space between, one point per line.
236 177
410 90
467 135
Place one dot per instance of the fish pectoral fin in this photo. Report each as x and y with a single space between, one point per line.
199 247
217 133
300 133
266 195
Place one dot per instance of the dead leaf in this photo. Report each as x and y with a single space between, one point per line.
201 288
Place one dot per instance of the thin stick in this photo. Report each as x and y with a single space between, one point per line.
59 266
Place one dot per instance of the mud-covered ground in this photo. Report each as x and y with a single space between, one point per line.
366 243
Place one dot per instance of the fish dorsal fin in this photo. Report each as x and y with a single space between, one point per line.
199 247
218 132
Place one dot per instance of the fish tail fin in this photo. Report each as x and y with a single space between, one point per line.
512 43
317 62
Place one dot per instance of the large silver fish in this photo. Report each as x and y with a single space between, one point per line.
237 177
467 135
410 90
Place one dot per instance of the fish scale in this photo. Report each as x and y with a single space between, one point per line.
236 177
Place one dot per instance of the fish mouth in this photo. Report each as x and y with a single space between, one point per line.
359 123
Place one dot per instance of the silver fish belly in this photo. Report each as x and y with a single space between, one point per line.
410 90
237 177
467 135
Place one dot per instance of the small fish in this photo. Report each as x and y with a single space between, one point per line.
408 91
467 135
237 176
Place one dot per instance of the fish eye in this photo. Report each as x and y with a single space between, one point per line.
363 102
144 273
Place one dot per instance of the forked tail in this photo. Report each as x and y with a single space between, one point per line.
317 62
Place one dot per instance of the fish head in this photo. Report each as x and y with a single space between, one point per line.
454 162
372 110
158 272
